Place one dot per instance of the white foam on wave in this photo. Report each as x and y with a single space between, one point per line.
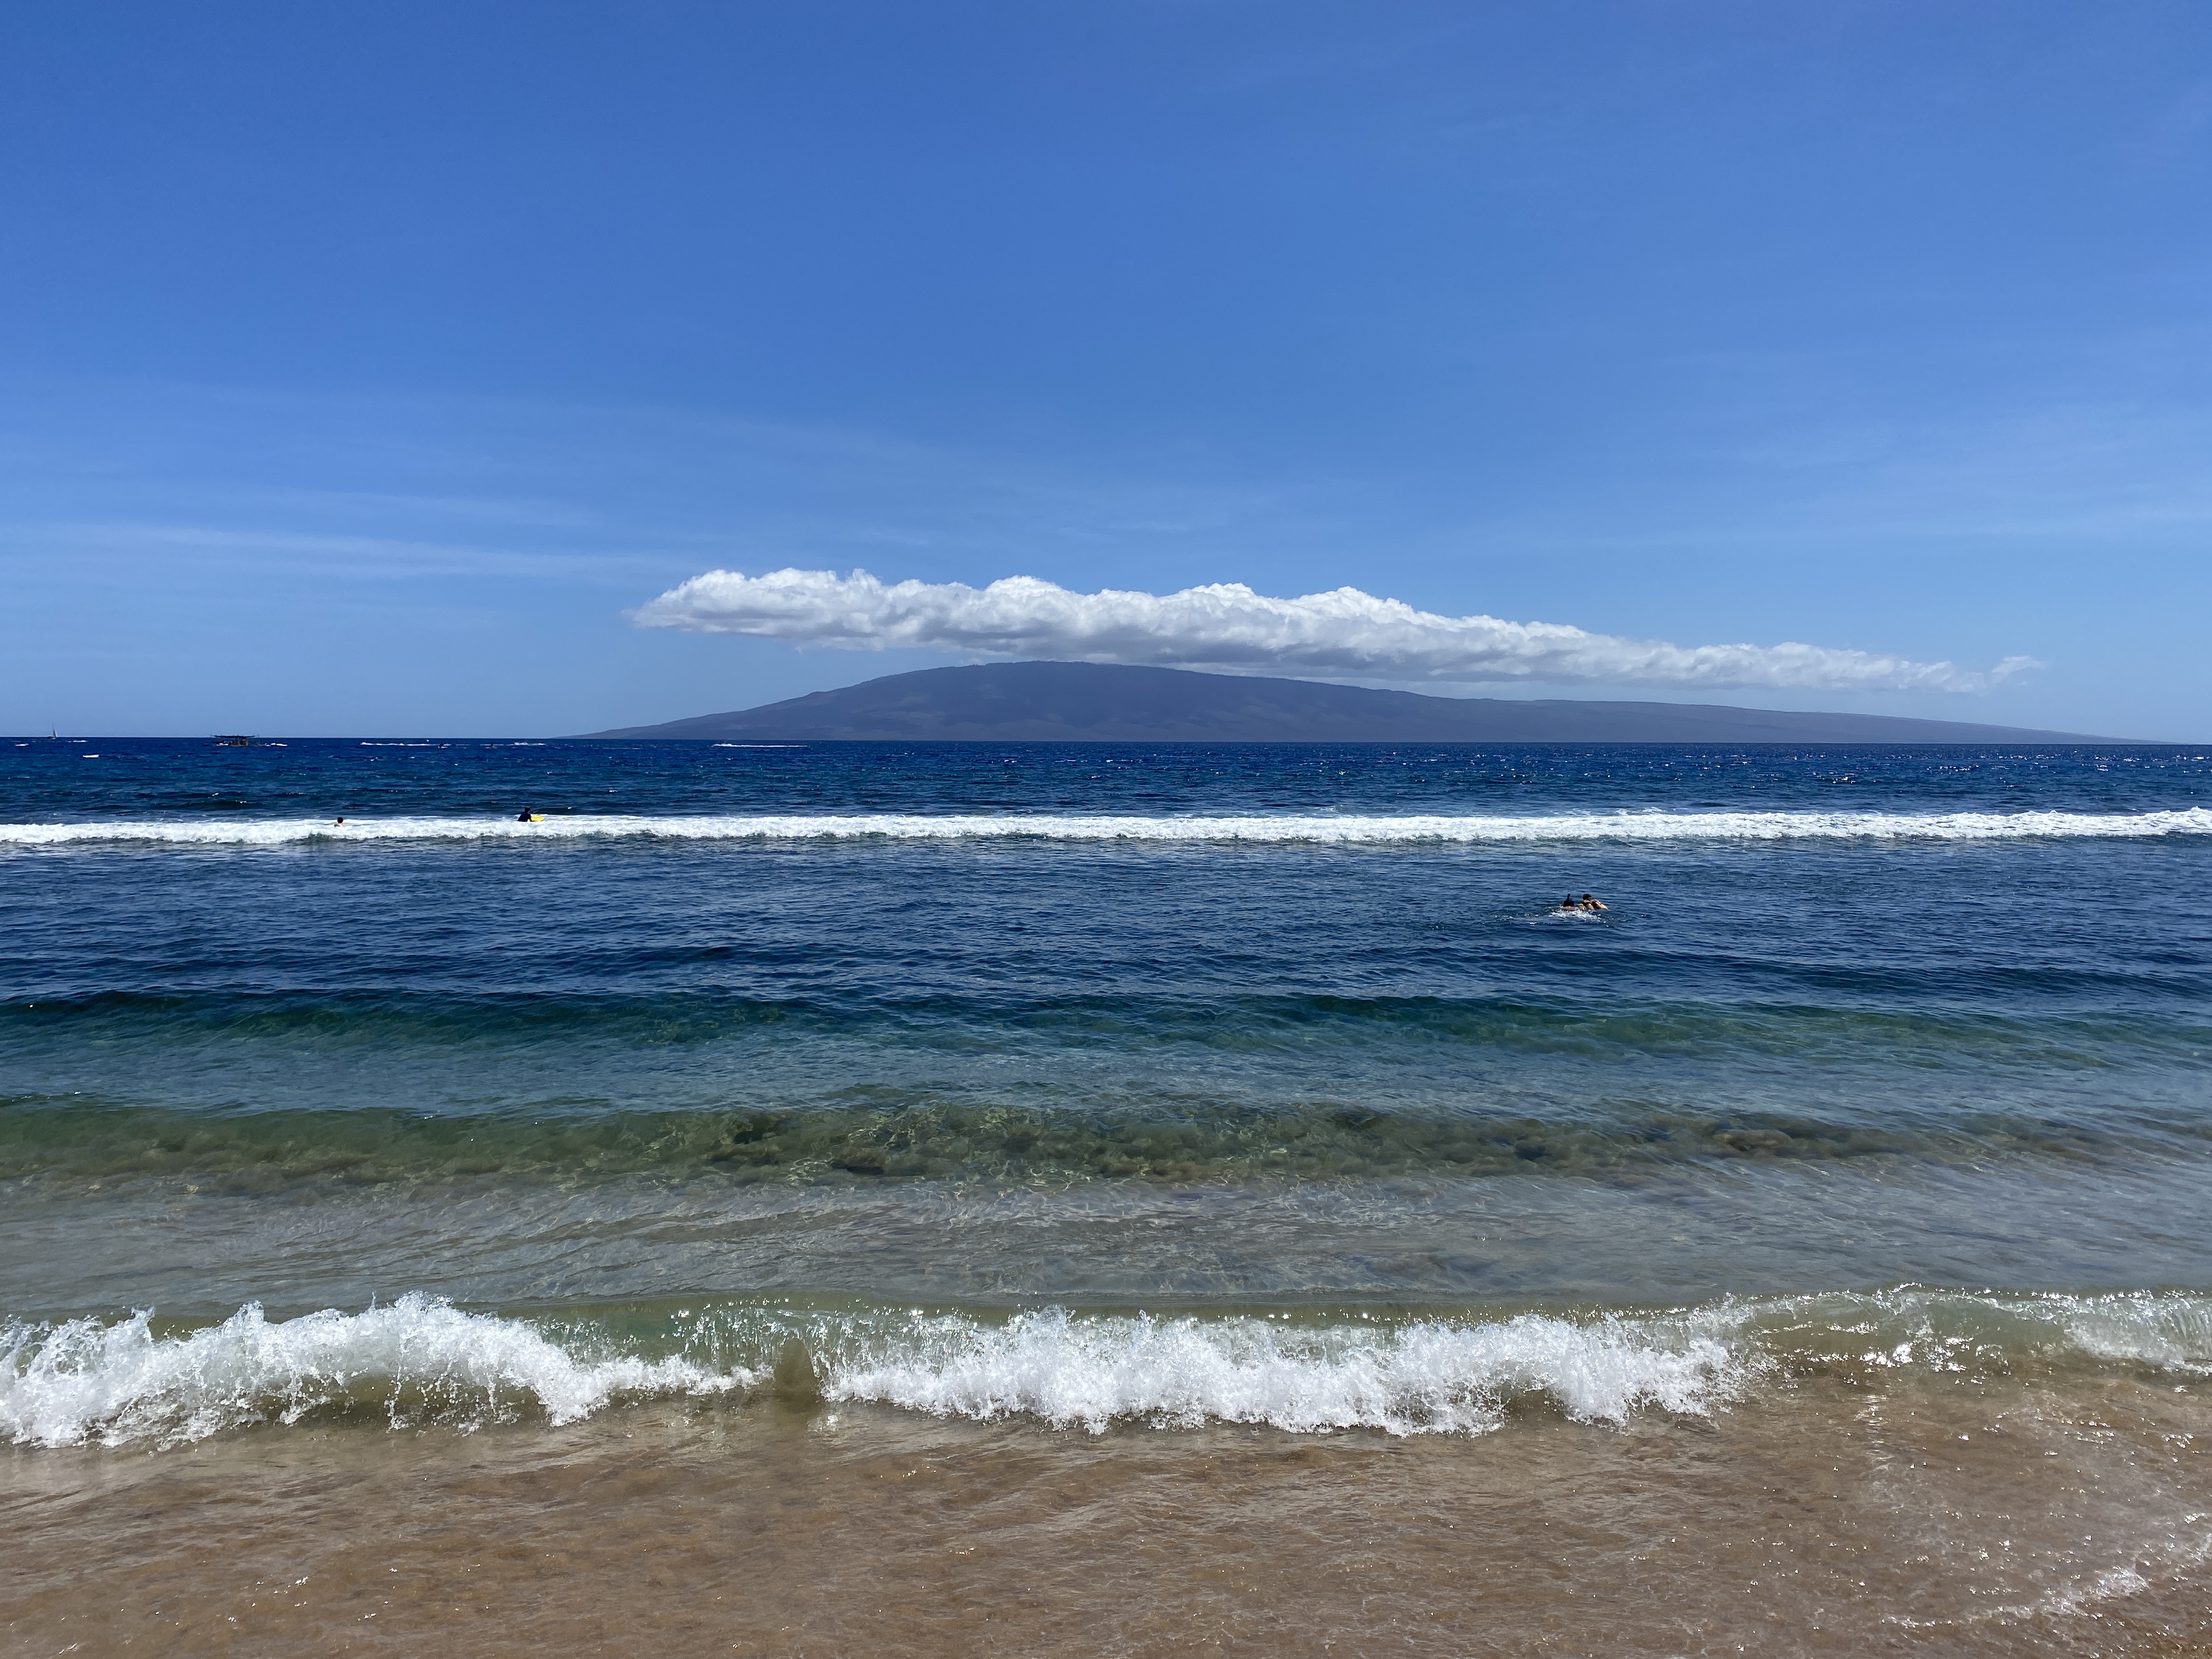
1926 1327
84 1381
1414 1379
419 1360
2170 1332
1317 830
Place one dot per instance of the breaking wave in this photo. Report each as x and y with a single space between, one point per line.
419 1360
1320 830
1430 1377
85 1380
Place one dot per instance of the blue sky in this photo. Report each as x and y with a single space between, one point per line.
361 368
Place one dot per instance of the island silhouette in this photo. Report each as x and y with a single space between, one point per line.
1101 702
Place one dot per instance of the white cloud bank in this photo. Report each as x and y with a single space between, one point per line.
1225 626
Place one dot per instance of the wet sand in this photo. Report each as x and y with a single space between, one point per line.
2006 1517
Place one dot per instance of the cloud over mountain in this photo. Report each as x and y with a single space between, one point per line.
1343 635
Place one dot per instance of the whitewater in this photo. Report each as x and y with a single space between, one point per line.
1333 829
420 1361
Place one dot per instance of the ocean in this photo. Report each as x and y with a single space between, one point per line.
1018 1198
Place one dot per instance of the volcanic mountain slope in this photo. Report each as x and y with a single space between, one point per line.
1078 703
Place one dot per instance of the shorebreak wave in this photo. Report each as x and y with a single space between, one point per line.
419 1360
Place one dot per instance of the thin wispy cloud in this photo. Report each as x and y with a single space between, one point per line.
1227 628
283 553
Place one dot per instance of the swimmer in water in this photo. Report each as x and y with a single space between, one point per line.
340 824
1589 903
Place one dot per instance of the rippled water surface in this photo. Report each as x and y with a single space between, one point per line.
1092 1092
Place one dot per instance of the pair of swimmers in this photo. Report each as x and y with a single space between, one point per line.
1571 906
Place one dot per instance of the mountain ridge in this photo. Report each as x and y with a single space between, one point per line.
1099 702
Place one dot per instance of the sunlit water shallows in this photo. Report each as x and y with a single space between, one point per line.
997 1110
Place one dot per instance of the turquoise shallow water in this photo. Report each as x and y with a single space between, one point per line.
1006 1030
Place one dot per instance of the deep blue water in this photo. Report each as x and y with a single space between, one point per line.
44 781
